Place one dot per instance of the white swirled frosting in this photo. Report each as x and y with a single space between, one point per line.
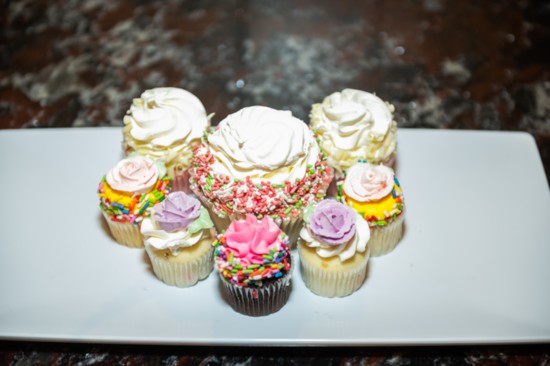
354 125
263 143
165 123
358 243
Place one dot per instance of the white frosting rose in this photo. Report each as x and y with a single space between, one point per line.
367 182
263 143
354 125
134 174
165 123
358 243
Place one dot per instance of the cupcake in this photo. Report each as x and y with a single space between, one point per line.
259 161
375 193
166 124
333 249
354 125
178 240
253 260
128 192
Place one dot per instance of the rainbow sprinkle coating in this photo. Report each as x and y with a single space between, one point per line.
275 264
263 198
131 207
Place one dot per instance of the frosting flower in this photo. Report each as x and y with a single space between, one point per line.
134 174
251 239
332 222
367 182
177 211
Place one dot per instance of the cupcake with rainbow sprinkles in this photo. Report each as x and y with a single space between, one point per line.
375 193
254 264
128 192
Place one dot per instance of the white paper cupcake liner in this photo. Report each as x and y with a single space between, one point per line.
185 274
384 239
333 283
261 301
125 233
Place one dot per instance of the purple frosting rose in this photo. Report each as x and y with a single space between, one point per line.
332 222
177 211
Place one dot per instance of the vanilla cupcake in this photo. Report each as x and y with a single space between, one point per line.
260 161
178 240
166 124
333 249
375 193
254 263
354 125
128 192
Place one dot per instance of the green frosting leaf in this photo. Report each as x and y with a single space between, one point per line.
202 222
307 212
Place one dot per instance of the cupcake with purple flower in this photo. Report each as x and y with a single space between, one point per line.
178 240
333 249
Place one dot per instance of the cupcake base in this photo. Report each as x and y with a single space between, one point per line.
265 300
191 265
330 277
384 239
125 233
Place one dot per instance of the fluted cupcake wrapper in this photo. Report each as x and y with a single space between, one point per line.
184 274
125 233
260 301
333 283
384 239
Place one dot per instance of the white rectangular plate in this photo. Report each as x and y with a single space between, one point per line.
472 267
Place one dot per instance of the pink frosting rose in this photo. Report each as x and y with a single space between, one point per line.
367 182
332 222
134 174
251 238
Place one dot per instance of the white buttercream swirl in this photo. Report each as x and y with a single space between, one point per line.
175 241
367 182
165 123
263 143
358 243
354 125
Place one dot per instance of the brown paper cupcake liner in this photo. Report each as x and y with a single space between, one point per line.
261 301
184 274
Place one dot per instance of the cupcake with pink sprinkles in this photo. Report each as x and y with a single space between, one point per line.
254 263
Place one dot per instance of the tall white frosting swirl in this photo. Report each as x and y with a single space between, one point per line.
354 125
165 123
358 243
159 239
263 143
368 182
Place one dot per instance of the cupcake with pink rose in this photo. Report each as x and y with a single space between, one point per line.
178 240
166 124
333 249
254 263
128 192
259 161
376 194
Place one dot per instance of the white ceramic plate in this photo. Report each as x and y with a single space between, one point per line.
472 267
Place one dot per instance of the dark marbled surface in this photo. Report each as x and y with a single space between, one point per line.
442 63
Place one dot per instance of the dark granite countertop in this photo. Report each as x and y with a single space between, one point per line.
442 63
